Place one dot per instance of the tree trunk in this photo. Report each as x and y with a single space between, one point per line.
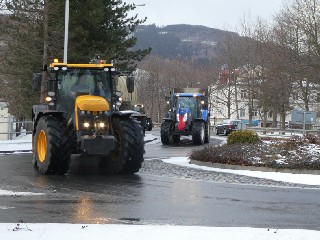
45 51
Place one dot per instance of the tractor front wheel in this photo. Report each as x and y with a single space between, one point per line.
198 133
52 148
127 158
166 135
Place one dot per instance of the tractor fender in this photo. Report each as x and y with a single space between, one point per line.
41 110
200 120
167 120
205 115
123 114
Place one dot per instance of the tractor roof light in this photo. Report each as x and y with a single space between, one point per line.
55 60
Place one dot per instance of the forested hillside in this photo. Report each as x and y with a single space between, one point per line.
181 41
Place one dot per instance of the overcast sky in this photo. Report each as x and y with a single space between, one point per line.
221 14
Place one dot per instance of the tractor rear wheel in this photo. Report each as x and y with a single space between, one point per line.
127 158
52 146
198 133
166 135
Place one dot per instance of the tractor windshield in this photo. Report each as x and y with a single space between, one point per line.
188 102
138 108
75 82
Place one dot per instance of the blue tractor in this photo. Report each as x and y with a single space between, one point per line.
188 115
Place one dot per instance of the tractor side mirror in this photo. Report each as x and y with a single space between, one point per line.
36 82
130 84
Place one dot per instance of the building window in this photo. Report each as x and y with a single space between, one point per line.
242 112
254 113
318 97
243 94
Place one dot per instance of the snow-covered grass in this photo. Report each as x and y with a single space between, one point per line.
48 231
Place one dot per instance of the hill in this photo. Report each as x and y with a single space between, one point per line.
184 41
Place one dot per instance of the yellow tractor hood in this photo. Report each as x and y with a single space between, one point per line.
92 103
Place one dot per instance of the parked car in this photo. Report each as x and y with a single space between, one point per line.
229 125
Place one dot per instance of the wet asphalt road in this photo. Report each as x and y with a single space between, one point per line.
159 194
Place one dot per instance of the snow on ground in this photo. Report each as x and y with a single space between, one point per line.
48 231
53 231
22 143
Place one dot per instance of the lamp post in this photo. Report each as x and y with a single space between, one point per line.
66 32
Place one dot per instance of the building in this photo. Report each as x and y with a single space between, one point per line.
231 100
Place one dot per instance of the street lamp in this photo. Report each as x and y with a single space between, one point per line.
66 31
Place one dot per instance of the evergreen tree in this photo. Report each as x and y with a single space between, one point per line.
34 35
103 27
21 49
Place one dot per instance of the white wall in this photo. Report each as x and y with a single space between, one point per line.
4 117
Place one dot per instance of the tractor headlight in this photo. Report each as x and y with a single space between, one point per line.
48 99
86 124
101 125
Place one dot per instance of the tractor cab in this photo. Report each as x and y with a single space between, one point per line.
68 81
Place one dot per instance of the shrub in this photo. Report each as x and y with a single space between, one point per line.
243 136
313 138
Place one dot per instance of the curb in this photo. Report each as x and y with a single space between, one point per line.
251 168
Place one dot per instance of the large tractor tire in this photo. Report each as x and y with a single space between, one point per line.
198 133
127 158
166 135
52 146
207 132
